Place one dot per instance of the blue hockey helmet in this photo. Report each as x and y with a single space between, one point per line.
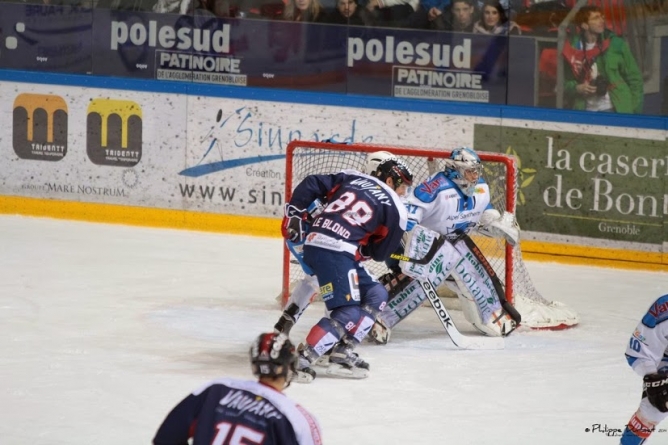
464 168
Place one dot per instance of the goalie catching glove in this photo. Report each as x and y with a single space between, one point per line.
655 386
496 225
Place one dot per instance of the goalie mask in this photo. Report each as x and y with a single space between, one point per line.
464 169
383 165
273 355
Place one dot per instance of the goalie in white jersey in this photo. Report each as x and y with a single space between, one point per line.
452 202
647 353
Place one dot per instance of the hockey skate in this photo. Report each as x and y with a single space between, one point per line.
343 363
304 372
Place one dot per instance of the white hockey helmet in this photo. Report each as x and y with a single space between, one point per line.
464 169
375 159
383 165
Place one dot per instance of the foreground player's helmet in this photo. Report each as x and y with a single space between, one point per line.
273 355
383 165
464 169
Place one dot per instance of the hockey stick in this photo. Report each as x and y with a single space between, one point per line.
460 340
475 250
438 242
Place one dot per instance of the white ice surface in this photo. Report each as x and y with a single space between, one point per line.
105 328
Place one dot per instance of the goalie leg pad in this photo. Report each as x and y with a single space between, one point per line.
481 294
500 324
441 264
402 304
394 282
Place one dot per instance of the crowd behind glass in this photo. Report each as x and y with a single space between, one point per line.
607 52
509 17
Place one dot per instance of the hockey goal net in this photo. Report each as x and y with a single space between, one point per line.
305 158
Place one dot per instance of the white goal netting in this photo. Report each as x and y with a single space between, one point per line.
500 171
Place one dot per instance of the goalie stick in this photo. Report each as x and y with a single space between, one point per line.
438 242
460 340
475 250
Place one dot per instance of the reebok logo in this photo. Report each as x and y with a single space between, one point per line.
114 132
40 127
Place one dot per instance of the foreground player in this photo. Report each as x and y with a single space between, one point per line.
230 411
450 202
647 353
364 219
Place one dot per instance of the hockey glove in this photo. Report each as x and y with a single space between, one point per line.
394 282
362 254
295 224
496 225
656 389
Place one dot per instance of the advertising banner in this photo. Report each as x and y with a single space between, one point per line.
46 38
235 158
586 184
427 65
90 145
224 52
169 151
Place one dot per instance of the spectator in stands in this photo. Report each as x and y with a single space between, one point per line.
126 5
304 11
494 20
398 13
173 6
348 12
434 8
459 17
600 73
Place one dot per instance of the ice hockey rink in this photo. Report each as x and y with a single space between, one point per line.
105 328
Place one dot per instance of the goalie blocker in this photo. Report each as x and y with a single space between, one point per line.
459 265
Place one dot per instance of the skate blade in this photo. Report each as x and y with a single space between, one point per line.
337 371
301 377
322 361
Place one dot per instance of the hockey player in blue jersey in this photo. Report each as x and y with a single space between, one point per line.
307 288
363 218
449 203
230 411
647 353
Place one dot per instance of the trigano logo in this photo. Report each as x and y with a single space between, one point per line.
114 132
167 37
40 127
407 53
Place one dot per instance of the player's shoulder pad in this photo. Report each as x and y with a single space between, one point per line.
657 313
428 190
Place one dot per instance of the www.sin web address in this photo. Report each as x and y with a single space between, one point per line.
229 194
